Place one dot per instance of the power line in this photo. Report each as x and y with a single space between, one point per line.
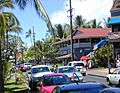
98 9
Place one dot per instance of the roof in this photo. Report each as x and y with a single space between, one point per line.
115 20
88 33
64 56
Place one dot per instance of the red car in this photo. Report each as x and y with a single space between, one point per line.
50 82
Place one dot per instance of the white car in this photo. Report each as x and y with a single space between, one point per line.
36 73
79 65
27 65
71 72
114 77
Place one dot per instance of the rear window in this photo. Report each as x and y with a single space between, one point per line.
40 69
78 64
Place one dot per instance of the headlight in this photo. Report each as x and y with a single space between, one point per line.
56 90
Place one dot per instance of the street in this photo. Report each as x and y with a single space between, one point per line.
95 79
89 78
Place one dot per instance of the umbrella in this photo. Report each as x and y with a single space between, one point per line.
85 58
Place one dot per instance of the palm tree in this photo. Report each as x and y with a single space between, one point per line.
59 30
40 11
3 28
29 34
95 25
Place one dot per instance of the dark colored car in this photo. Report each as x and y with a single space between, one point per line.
51 81
110 90
80 88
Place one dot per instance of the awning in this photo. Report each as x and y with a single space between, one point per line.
114 21
63 57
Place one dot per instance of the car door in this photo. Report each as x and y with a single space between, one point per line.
113 76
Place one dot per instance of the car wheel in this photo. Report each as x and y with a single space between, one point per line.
109 83
118 83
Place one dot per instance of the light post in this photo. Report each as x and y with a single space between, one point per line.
71 32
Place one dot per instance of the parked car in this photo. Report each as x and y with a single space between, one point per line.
79 65
27 66
75 88
36 73
50 81
110 90
71 72
114 77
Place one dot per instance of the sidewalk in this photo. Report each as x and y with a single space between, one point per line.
100 72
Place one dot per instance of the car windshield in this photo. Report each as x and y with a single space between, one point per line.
78 64
40 69
67 69
55 80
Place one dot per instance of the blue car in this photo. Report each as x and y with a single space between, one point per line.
110 90
80 88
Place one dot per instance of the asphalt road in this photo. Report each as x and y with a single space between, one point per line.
95 79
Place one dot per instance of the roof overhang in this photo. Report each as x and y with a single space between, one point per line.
64 56
115 20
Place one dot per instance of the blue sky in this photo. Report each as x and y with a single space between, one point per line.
57 11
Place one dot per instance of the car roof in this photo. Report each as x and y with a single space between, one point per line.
55 74
77 86
77 61
39 66
64 66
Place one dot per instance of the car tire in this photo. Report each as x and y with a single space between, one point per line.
118 83
109 83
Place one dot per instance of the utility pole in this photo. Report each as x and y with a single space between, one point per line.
71 32
108 57
34 45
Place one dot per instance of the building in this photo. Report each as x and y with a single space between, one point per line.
84 40
114 37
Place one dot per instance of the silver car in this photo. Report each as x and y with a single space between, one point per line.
71 72
114 77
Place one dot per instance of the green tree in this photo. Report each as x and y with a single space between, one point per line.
94 24
40 11
29 34
3 28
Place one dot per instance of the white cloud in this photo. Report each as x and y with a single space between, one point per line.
89 9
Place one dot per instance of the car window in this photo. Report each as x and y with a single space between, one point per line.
67 69
40 69
116 71
55 80
78 64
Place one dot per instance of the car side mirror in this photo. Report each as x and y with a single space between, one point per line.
29 72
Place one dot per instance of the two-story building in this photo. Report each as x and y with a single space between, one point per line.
84 40
114 37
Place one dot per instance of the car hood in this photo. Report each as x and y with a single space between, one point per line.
70 74
40 74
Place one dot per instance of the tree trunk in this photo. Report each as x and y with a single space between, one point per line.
1 72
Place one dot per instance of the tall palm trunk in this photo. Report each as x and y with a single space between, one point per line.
1 71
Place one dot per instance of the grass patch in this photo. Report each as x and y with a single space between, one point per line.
12 87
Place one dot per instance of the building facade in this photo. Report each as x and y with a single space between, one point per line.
114 37
84 40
